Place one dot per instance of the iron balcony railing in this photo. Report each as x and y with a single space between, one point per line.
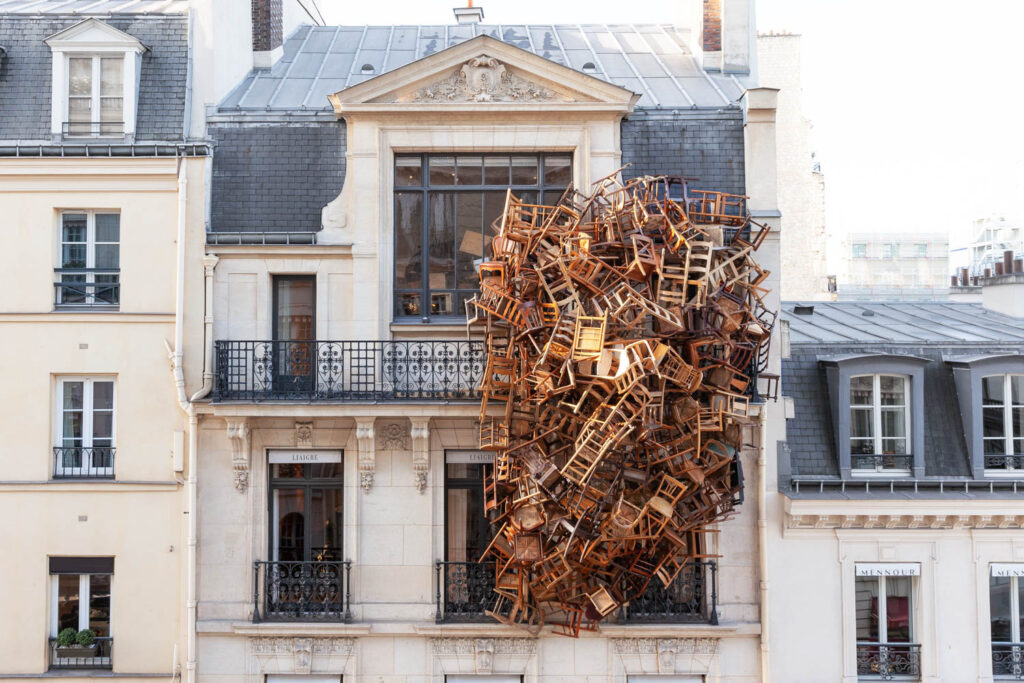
1008 661
87 287
1008 463
98 656
465 590
78 462
349 370
888 661
884 463
92 129
302 591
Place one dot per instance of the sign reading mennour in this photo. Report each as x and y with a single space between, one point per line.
888 568
303 457
1007 569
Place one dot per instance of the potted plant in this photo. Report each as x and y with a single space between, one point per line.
72 644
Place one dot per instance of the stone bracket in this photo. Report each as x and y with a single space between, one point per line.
367 452
238 435
420 451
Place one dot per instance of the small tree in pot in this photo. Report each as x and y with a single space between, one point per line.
76 644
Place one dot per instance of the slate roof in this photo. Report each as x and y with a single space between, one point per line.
932 330
25 73
93 7
650 60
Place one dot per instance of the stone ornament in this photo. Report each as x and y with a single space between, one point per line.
484 655
277 654
303 434
483 79
238 436
421 451
470 646
367 454
393 437
666 655
302 651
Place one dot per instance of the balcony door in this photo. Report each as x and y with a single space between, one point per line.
294 334
306 510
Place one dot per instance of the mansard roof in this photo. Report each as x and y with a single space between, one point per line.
653 61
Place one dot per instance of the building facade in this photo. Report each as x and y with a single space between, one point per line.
898 266
354 182
898 498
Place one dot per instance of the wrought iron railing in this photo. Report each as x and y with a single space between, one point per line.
871 463
1008 660
97 656
88 287
1004 462
691 598
302 591
889 661
463 590
79 462
92 129
349 370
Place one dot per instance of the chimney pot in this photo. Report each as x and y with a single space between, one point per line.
988 272
267 30
1008 261
999 268
964 277
953 281
1018 265
468 15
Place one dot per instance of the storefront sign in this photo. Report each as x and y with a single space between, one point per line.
469 457
1007 569
888 569
304 457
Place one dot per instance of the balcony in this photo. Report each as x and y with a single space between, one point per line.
464 590
92 129
78 462
442 370
1008 661
889 661
881 463
88 288
301 591
1005 463
98 656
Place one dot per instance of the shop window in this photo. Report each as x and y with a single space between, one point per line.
884 599
1006 595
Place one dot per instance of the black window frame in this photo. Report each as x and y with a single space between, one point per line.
307 482
467 483
546 193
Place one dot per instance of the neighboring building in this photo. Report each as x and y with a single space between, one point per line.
805 275
894 267
990 238
341 499
900 475
101 187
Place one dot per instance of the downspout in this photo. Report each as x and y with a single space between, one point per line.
762 535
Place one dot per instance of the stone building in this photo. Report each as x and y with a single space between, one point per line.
887 266
355 178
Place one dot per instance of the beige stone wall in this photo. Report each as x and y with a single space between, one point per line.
801 189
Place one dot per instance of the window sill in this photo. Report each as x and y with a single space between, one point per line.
87 309
442 325
1005 474
876 474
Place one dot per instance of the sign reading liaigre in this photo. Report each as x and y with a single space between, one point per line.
888 568
308 457
469 457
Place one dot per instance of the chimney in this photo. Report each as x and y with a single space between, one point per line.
468 14
1004 291
267 32
726 35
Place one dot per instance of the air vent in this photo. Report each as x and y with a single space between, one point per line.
589 67
367 69
869 314
803 309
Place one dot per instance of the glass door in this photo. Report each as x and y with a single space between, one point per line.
306 512
294 321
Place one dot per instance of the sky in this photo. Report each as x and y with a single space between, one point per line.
915 103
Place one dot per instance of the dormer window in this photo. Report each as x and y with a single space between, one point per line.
879 421
95 82
1002 415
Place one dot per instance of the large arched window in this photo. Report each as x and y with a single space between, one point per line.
1002 414
880 423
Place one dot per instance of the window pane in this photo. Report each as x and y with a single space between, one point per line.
894 422
110 112
442 303
108 256
408 240
442 170
468 238
862 446
999 607
72 429
992 422
73 227
111 77
99 604
288 471
557 170
326 524
496 170
102 428
1017 389
494 206
442 238
892 390
866 599
1017 420
73 392
80 111
295 315
898 608
992 390
289 507
408 304
1018 447
108 227
894 447
73 256
524 170
470 170
861 423
996 446
326 470
861 390
408 171
80 76
67 602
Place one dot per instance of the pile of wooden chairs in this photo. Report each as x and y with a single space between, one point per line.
625 330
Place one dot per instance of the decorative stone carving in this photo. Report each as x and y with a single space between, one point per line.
367 454
421 451
302 649
470 646
483 79
903 521
484 655
667 655
393 437
303 434
660 646
238 435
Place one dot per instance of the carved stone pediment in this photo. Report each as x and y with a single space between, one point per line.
485 79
